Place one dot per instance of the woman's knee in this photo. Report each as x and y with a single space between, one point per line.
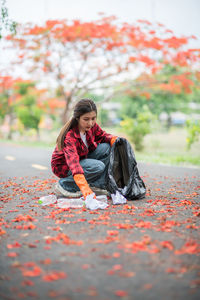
102 150
100 166
104 147
92 166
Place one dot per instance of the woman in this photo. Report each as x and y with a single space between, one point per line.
81 156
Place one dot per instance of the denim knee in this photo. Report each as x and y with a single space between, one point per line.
94 167
101 152
104 148
100 166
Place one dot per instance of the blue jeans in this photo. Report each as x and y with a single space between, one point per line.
95 168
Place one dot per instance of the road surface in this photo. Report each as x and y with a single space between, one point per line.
145 249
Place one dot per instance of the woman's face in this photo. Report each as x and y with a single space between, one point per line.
87 121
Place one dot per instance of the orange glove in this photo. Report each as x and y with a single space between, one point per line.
113 139
83 185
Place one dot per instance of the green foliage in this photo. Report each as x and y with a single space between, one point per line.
59 91
138 127
131 105
28 100
27 110
7 106
158 103
193 130
103 117
5 22
96 98
22 87
3 105
29 116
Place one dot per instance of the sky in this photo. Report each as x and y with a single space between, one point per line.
181 16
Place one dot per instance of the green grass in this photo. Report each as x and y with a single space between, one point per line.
168 158
28 143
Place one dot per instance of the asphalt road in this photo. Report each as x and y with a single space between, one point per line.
145 249
17 161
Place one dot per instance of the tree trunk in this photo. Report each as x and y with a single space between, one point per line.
169 122
66 113
10 134
38 134
11 119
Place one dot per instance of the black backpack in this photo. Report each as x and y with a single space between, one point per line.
123 175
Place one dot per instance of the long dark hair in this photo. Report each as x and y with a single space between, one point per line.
82 107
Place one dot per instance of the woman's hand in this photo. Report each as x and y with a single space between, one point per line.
113 139
83 185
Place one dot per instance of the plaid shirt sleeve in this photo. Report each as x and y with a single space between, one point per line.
58 165
100 135
71 155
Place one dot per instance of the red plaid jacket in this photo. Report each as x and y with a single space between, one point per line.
74 150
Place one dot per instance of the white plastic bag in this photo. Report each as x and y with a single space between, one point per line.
93 203
118 198
102 198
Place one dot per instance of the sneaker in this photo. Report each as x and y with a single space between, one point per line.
59 189
99 191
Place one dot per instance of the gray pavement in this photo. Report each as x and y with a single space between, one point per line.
146 249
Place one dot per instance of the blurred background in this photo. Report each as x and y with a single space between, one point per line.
138 60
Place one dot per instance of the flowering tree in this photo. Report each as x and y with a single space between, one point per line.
77 57
170 89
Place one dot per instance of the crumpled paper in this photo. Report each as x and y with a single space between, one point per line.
118 198
92 203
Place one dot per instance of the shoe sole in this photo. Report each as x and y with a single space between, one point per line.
99 191
63 192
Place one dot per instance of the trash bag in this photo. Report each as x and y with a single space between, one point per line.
123 175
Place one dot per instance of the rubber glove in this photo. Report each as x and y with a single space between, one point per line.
113 139
83 185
